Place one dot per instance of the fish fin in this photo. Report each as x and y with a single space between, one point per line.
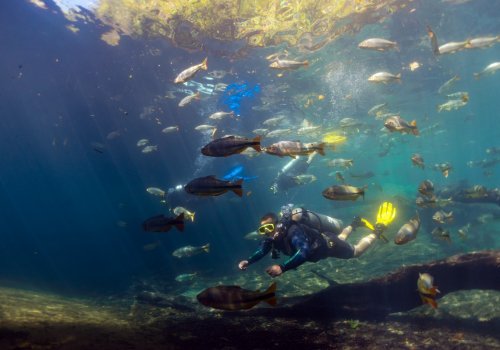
321 148
239 190
272 301
428 300
398 76
206 248
446 173
271 289
197 95
204 65
257 140
306 63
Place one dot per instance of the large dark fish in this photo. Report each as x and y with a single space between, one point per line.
160 223
408 232
229 145
211 186
344 192
235 297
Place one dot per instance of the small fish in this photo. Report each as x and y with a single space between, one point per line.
278 133
151 246
426 188
288 64
305 130
434 43
253 236
160 223
481 43
205 127
385 77
442 234
490 69
485 218
189 251
294 148
461 95
448 84
398 124
444 168
451 105
262 132
170 129
408 232
418 161
98 147
149 149
221 115
155 191
377 108
339 177
188 99
378 44
142 142
273 121
349 123
477 191
211 186
344 192
304 179
452 47
432 202
190 72
341 162
230 145
113 135
493 150
186 277
463 231
182 210
442 218
235 297
427 290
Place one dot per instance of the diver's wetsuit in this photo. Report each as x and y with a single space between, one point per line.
311 238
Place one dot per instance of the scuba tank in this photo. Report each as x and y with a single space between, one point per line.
319 222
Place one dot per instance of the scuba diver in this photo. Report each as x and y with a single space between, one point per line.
285 179
308 236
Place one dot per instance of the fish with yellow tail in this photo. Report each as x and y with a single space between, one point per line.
427 290
181 210
234 298
189 73
398 124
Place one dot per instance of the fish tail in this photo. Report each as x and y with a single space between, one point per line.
446 173
197 95
477 75
206 248
428 300
398 77
306 63
204 65
271 291
192 217
321 148
238 190
256 146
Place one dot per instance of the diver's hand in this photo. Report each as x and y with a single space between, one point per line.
243 265
274 271
356 222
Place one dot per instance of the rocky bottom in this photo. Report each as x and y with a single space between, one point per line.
33 320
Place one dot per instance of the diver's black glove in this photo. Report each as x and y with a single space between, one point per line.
379 231
357 222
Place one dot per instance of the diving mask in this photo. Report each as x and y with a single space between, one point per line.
266 228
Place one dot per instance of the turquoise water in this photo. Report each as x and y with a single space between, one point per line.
73 181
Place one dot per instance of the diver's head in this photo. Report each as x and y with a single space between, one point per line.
268 224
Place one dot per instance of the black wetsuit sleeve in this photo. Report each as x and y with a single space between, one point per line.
264 248
300 242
